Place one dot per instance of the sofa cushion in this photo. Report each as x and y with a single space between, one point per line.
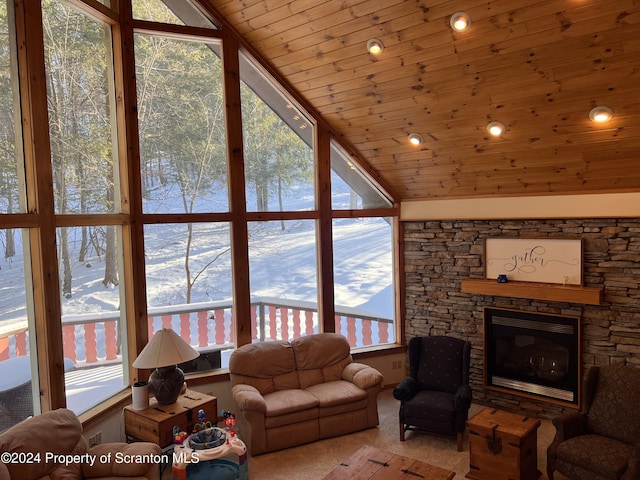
605 456
343 408
334 393
289 401
429 405
267 366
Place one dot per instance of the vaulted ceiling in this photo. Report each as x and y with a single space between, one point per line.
538 67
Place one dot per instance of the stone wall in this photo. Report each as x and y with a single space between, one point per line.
440 254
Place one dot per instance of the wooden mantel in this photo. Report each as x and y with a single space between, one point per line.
536 291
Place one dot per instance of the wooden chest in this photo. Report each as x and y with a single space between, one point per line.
155 423
502 446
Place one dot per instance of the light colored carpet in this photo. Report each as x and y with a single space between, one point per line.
315 460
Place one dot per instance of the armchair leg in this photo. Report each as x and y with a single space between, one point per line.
459 437
401 432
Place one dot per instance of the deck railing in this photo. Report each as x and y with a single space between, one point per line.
94 338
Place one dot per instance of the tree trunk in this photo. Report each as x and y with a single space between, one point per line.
10 245
111 245
110 258
187 270
83 244
280 202
67 274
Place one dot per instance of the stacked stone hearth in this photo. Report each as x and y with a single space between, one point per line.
440 254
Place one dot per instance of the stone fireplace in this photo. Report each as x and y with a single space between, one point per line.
440 255
530 353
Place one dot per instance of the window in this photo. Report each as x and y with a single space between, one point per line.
363 279
148 210
12 199
16 318
181 124
184 171
279 175
173 12
189 286
278 153
363 263
284 279
80 97
86 181
16 326
350 189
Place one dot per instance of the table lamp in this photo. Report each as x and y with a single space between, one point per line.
163 353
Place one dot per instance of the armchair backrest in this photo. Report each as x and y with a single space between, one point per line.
267 366
280 365
439 363
57 432
612 401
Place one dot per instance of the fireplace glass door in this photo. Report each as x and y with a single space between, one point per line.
533 353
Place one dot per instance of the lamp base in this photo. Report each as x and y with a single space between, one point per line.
166 384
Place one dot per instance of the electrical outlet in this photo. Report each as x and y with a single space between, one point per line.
95 439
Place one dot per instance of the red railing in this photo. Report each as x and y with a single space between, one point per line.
93 338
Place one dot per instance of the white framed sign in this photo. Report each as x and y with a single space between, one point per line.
545 260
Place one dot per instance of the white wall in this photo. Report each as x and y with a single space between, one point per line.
613 205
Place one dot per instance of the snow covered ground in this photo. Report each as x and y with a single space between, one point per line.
282 265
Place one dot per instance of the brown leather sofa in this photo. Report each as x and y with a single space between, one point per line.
290 393
38 448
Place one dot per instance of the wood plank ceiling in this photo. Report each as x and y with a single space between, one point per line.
539 67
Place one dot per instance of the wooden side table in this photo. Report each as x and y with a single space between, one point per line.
502 446
155 423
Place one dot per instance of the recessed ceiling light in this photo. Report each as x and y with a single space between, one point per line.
460 21
601 114
375 46
496 128
415 138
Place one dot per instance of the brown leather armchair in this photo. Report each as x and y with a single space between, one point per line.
436 396
51 446
602 441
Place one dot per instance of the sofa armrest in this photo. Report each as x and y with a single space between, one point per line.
248 398
406 389
118 459
569 425
362 376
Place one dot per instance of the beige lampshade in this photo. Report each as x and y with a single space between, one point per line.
165 348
